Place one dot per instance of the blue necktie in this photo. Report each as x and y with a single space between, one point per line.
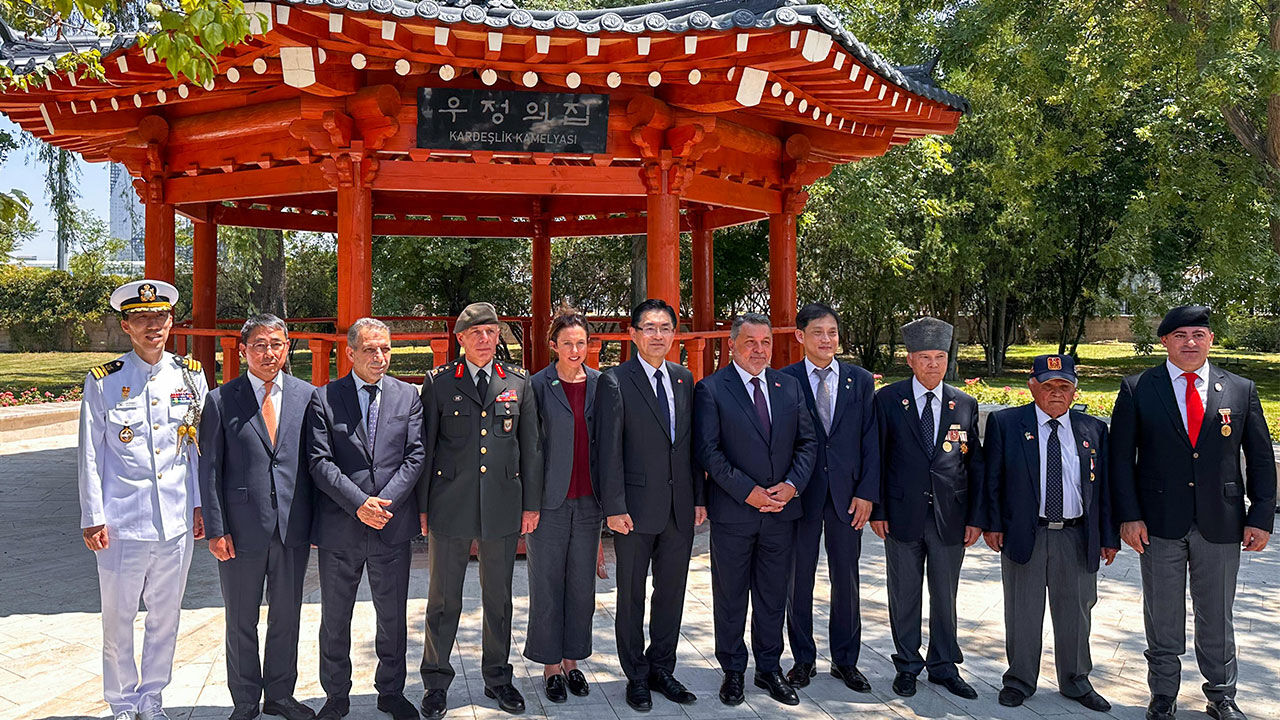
762 407
663 406
371 418
926 424
1053 474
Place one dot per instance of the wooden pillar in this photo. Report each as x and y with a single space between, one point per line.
204 293
662 248
158 261
782 280
355 261
703 281
539 355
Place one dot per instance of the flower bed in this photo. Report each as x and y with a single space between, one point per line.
33 396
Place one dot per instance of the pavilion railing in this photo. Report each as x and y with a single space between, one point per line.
703 351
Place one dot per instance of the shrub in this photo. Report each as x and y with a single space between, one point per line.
1253 332
42 309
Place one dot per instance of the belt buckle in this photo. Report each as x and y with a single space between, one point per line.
1056 525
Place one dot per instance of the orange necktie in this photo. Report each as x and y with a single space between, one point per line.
269 411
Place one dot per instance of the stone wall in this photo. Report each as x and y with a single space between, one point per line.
103 335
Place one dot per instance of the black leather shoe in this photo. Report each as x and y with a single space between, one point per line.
904 684
1093 701
777 687
731 688
244 711
577 683
799 674
288 708
666 683
852 677
398 707
1224 709
334 708
956 686
508 697
434 704
1009 697
554 686
1162 707
638 696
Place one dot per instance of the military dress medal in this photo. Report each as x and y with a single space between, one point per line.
1226 421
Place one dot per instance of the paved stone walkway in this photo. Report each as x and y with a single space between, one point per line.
50 633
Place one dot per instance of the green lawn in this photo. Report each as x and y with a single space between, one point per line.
1101 367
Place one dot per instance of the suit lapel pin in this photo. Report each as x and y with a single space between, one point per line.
777 384
1085 443
1217 386
951 405
679 381
457 398
555 382
1029 436
906 402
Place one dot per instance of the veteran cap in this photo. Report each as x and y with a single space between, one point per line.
1053 367
144 296
481 313
927 333
1183 316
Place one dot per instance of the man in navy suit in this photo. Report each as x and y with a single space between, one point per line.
366 456
754 437
256 486
1047 508
1178 432
931 477
837 501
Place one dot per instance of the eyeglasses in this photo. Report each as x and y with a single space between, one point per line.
655 330
262 347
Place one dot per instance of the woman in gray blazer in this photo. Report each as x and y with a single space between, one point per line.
562 550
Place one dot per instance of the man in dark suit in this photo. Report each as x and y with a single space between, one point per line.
1177 434
256 484
1047 507
366 456
483 484
651 494
931 477
754 436
838 499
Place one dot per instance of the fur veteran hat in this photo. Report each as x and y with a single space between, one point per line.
927 333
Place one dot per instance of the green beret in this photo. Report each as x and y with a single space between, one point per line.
481 313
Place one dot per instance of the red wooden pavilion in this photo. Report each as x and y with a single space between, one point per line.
720 112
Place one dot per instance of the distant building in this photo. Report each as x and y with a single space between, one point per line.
127 218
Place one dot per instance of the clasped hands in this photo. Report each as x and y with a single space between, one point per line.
771 499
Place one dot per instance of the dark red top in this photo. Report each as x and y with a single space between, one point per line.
580 480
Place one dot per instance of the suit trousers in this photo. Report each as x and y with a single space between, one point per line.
1213 568
561 557
750 561
844 624
1057 565
907 565
668 553
154 572
448 557
340 572
281 570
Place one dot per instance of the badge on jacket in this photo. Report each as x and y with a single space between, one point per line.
1226 421
508 423
126 434
507 395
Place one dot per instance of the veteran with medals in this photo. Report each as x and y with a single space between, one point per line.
1177 436
483 483
139 494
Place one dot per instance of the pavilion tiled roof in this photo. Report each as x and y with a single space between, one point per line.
25 55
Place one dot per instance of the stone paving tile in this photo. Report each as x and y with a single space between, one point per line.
50 634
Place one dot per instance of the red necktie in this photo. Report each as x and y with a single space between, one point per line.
1195 411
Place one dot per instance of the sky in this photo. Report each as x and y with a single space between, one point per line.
21 171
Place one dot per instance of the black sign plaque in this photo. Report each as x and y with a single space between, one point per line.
512 120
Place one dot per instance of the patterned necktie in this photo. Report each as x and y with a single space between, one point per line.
824 398
663 406
762 407
482 384
269 411
1053 474
371 419
926 424
1195 410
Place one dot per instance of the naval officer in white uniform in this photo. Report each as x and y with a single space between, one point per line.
139 494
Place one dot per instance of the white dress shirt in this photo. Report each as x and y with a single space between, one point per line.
833 381
751 389
277 393
919 390
1180 387
649 370
1072 502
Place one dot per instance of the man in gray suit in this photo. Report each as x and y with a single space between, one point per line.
483 483
256 486
366 455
